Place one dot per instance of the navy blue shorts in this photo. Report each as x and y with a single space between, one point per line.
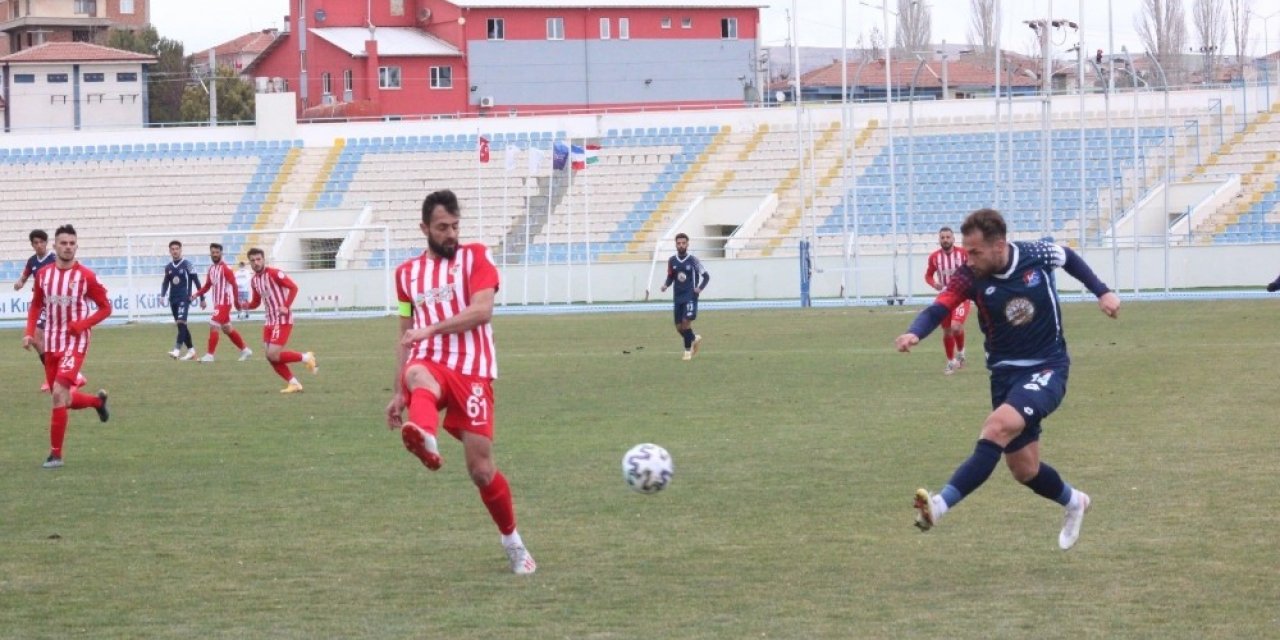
180 308
1034 392
686 311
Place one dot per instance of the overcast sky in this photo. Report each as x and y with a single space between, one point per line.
819 21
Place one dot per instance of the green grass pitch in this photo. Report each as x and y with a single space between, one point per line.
213 507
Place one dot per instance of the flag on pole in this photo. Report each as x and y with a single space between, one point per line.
511 156
535 160
484 150
559 156
578 157
593 154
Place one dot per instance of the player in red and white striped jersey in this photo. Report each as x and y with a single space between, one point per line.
226 294
943 263
276 291
62 292
447 361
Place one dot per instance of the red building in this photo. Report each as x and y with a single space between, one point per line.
459 57
28 23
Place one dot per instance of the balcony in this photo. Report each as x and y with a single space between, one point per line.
65 14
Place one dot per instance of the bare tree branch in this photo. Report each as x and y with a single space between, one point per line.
1239 12
982 24
1211 31
915 26
1162 26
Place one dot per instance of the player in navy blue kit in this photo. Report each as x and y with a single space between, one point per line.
40 259
180 281
690 278
1013 287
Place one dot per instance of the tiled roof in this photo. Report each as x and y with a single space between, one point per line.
75 52
251 43
960 73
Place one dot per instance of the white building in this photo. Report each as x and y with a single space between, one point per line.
74 85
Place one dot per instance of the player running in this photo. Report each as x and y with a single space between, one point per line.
62 293
690 278
1018 311
942 265
180 280
222 280
42 258
275 291
446 360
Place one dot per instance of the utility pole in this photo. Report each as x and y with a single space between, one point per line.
213 88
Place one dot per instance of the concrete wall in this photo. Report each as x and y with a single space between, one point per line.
47 106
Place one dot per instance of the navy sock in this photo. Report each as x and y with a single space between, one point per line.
688 338
973 472
1049 484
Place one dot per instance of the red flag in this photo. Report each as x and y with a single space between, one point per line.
484 150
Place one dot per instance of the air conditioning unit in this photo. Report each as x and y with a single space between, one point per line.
348 95
326 98
263 85
487 101
424 14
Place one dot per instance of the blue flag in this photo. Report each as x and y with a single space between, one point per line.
559 156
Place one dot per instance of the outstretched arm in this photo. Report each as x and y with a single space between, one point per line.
954 295
1074 265
1274 286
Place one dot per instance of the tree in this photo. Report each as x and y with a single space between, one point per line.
167 79
982 24
915 26
1211 30
235 99
876 43
1239 12
1162 26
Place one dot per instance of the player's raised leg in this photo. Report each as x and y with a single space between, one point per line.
422 393
1000 428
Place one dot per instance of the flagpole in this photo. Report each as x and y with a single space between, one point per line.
546 231
527 214
506 212
479 191
568 233
586 223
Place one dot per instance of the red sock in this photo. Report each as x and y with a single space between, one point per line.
282 370
58 430
290 356
236 340
84 401
950 344
423 411
960 340
497 498
213 341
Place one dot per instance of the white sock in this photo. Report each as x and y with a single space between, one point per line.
939 507
294 381
512 540
1074 502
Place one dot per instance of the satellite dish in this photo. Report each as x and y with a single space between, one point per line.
780 96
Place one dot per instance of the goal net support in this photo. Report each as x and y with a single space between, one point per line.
340 271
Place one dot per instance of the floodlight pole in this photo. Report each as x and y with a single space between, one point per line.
1168 159
995 150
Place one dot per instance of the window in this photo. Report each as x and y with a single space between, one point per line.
555 28
666 23
326 83
441 77
83 7
95 77
604 28
126 77
729 28
497 29
388 77
686 23
24 78
81 35
624 28
56 78
397 7
126 7
348 82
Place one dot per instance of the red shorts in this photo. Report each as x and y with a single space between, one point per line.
63 367
276 333
221 315
467 400
957 317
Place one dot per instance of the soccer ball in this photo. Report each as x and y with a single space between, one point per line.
647 468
